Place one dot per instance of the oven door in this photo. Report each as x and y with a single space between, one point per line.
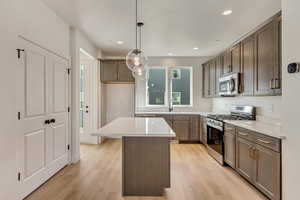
215 144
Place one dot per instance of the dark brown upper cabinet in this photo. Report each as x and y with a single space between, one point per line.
219 71
212 78
206 76
257 57
267 59
115 71
248 52
227 67
236 58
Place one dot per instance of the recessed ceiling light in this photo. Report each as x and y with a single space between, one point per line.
227 12
196 48
170 54
120 42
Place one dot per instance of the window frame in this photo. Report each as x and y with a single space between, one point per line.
166 103
168 86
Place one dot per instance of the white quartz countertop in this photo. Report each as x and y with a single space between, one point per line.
173 113
269 129
136 127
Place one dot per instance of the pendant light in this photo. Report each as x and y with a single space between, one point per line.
136 59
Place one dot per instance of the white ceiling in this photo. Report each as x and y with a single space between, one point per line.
171 26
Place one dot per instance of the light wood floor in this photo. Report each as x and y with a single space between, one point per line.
195 176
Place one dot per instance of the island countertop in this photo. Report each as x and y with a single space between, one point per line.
136 127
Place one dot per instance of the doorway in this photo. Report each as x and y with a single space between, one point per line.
88 98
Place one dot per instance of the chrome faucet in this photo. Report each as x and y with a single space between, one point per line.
171 108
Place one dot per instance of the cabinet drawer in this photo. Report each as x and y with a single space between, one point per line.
269 142
246 134
229 128
181 117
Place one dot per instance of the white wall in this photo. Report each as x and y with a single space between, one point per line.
77 41
119 101
268 108
200 104
33 20
291 100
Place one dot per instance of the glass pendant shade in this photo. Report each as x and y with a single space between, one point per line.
139 73
135 59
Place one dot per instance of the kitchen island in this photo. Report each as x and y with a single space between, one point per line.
145 154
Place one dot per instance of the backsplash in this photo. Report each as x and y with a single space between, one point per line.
268 108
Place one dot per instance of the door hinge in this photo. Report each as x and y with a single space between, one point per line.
68 147
69 70
19 52
19 116
69 109
19 176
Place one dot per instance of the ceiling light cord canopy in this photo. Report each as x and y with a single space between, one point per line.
136 59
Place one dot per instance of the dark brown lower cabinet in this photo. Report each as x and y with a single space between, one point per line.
186 127
203 134
260 165
267 172
229 147
182 129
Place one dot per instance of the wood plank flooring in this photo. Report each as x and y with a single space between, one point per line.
194 176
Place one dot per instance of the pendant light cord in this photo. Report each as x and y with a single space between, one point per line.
136 24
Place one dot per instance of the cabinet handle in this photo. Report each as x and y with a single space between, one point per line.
229 129
243 134
271 83
251 152
255 154
277 83
263 141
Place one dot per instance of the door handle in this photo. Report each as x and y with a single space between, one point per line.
52 120
47 121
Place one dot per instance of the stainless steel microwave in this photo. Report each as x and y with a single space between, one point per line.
229 84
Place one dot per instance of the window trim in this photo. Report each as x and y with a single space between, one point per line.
166 103
168 86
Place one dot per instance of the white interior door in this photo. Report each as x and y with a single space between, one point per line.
42 94
88 100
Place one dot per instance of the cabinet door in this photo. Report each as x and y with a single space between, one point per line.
219 70
244 162
229 147
195 123
182 129
205 75
212 78
236 58
267 172
124 74
267 49
204 130
227 67
248 66
109 70
277 69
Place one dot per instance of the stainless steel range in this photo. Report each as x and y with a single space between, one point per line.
215 128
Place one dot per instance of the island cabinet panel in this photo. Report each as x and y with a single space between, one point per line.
248 65
115 71
227 62
146 166
267 59
230 146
